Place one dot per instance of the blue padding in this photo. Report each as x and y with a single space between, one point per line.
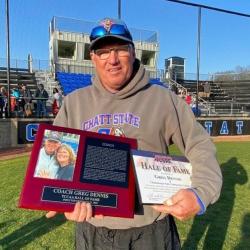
71 81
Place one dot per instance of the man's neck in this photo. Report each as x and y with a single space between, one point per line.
112 91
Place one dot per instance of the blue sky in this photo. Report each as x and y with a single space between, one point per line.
225 39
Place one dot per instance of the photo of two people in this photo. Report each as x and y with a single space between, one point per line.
57 156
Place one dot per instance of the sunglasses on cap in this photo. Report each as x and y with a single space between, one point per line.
115 29
109 27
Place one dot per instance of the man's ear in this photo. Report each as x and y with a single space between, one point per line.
133 54
92 56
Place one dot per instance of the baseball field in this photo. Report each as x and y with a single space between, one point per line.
226 224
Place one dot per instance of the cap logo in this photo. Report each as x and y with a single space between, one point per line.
107 23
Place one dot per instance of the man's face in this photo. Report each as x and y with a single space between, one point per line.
115 71
51 146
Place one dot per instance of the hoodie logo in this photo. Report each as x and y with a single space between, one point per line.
117 132
116 120
112 131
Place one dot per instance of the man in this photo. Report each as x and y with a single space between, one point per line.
201 90
47 166
26 100
121 97
3 102
207 90
41 99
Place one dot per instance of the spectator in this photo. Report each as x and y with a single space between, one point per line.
207 90
26 100
188 99
182 93
57 101
200 90
196 110
15 100
174 88
41 99
3 102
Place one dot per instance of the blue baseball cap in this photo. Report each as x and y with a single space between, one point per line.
109 28
54 136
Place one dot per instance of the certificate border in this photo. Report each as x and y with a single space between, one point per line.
150 154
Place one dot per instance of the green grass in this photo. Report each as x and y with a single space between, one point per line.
226 224
26 229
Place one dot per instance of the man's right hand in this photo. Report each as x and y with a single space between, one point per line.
44 174
82 212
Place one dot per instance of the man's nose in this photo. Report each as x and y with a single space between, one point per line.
113 57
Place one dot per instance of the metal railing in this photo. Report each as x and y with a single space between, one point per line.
65 24
19 108
225 109
25 65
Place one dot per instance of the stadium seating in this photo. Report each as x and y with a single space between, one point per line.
157 81
18 76
238 92
71 81
227 97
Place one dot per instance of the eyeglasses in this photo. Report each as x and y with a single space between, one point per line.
121 51
115 29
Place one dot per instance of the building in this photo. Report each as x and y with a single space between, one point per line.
69 46
175 68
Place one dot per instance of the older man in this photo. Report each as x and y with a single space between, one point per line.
121 97
47 166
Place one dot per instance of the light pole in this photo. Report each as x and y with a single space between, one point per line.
198 62
8 52
119 9
199 6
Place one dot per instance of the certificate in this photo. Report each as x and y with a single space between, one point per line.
159 176
69 165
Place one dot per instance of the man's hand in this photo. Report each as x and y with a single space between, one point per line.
44 174
82 212
183 205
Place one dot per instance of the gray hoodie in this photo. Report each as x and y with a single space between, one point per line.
156 118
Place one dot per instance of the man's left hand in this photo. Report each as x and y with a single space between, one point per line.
183 205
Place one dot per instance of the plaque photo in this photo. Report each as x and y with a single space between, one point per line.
160 176
69 165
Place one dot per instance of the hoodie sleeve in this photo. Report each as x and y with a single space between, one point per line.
193 140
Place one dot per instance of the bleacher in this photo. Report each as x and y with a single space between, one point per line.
217 93
227 97
238 90
71 81
157 81
239 94
18 76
